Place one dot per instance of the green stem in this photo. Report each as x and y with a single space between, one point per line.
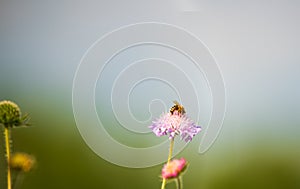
18 180
169 158
179 183
7 147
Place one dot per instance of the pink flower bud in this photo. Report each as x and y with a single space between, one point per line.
174 168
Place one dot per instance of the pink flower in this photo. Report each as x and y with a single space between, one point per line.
173 168
175 124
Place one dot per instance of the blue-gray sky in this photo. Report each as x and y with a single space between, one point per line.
256 45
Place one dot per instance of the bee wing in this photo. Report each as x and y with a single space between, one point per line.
177 103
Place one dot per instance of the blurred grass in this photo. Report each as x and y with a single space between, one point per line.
64 161
259 167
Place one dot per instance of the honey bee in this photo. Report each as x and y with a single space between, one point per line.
177 107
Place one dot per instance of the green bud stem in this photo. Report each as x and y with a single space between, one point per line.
7 147
179 183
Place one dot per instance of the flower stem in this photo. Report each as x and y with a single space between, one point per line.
179 183
7 147
169 158
18 180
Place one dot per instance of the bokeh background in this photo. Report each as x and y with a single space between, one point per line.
255 43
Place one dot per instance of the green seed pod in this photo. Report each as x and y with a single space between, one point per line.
10 114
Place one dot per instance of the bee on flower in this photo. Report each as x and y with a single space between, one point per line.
175 122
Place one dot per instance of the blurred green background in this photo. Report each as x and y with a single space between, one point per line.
256 45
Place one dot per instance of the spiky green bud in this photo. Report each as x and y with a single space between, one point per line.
10 114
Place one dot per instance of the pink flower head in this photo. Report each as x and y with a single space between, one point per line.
173 124
173 168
